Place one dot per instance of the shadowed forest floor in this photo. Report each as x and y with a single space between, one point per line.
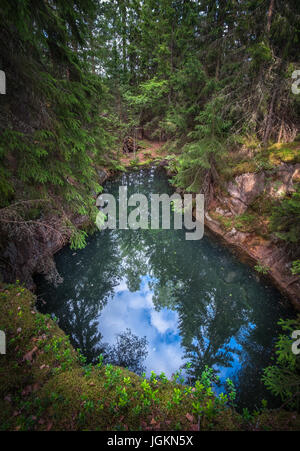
149 151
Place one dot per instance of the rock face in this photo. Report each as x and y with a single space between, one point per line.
21 259
242 193
244 190
282 180
247 187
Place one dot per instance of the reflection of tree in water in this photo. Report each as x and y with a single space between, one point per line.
210 310
215 296
79 300
258 346
134 264
208 290
129 351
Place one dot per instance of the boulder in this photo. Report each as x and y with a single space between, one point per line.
244 189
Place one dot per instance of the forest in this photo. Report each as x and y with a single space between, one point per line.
207 91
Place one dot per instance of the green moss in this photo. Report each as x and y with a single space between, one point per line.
244 167
284 153
145 162
247 222
46 385
278 153
235 164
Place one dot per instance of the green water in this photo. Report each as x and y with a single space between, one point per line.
193 300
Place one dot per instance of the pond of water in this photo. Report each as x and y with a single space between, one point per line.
193 300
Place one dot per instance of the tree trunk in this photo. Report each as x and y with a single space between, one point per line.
270 13
269 119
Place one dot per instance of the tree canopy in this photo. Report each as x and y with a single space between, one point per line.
81 75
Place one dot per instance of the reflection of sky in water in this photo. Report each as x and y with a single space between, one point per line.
236 363
136 312
209 305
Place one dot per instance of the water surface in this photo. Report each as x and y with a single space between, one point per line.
193 300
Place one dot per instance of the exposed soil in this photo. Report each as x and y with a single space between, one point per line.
150 150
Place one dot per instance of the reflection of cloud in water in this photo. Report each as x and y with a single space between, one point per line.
164 320
136 312
121 287
195 288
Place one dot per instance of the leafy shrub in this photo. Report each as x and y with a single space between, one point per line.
283 378
285 218
262 269
296 267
